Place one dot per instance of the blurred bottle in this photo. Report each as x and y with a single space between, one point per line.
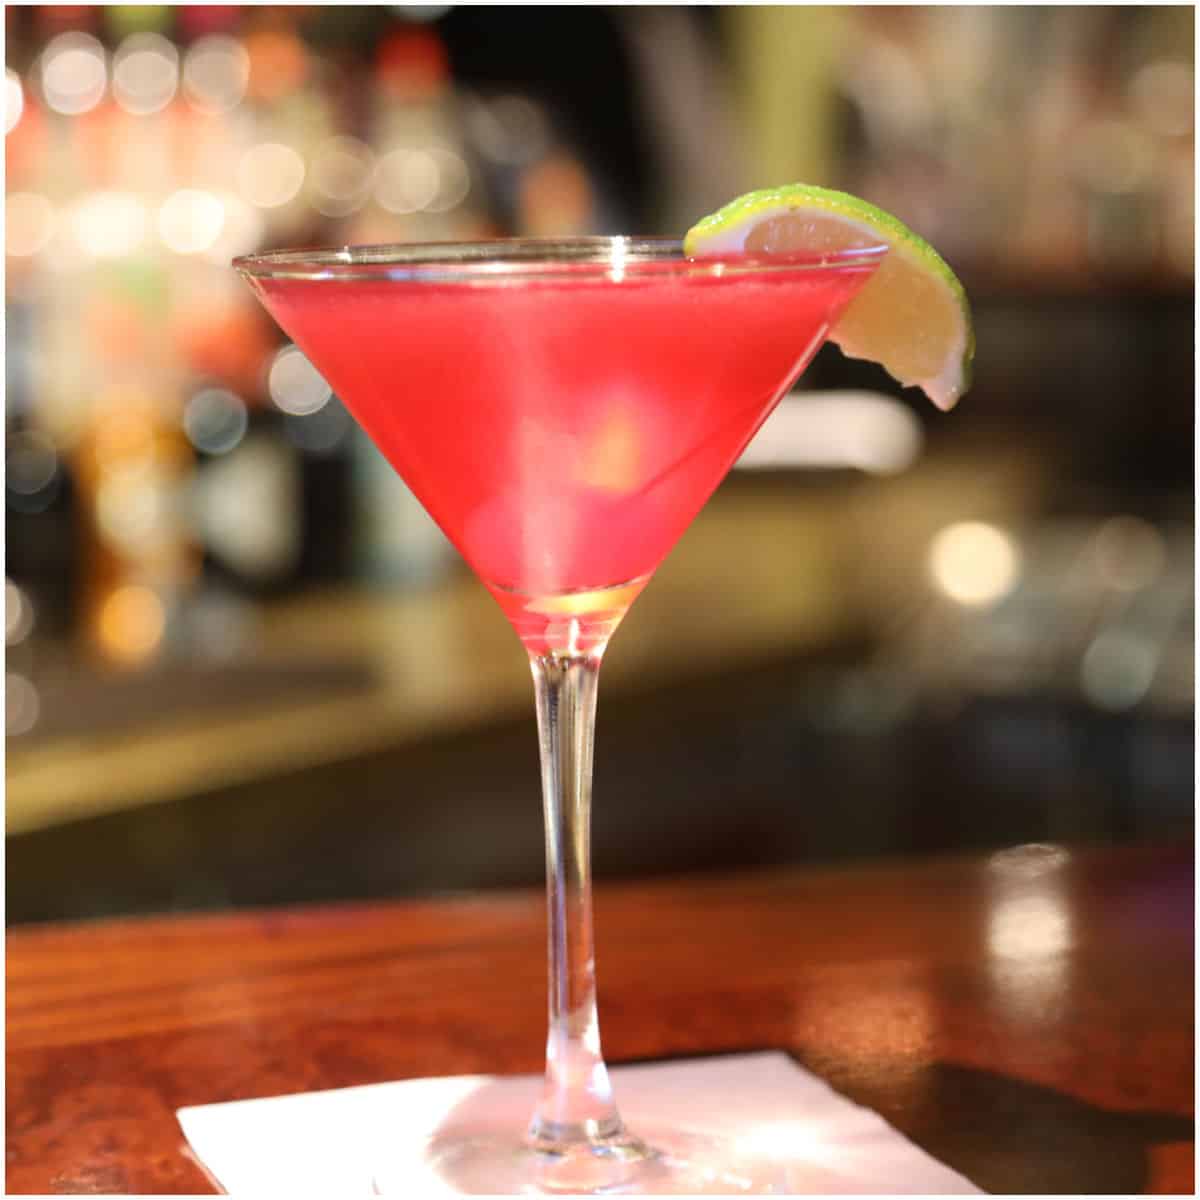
139 559
272 488
421 182
246 494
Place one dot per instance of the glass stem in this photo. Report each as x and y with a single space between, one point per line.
577 1102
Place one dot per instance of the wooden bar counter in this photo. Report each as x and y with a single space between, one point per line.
1027 1016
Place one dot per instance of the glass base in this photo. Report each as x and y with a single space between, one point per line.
669 1163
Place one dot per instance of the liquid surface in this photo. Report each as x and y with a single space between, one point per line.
563 433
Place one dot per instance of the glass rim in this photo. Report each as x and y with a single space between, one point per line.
511 259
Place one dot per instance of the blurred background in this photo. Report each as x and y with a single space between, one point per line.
244 668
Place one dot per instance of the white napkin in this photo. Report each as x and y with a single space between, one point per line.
329 1143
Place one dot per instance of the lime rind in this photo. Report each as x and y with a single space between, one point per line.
796 195
713 231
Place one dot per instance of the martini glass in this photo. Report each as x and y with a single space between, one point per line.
563 409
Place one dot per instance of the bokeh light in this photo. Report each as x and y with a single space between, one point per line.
14 100
145 73
215 420
215 73
343 169
131 624
132 504
74 73
454 180
407 181
241 230
18 614
22 704
1118 669
28 223
110 224
31 471
270 174
974 563
296 386
190 220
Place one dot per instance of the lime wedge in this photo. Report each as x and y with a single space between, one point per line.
911 316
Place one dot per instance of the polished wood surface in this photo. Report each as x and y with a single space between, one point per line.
1027 1017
